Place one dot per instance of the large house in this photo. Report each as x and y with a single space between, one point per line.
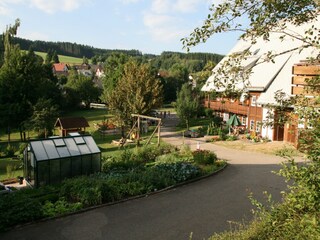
286 74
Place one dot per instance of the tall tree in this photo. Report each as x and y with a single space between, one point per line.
187 104
45 112
138 91
113 69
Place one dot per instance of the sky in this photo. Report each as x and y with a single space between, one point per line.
151 26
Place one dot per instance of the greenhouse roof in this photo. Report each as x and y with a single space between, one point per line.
54 148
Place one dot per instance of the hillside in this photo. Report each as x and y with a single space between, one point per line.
80 51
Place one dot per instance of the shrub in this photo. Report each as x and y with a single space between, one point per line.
178 171
9 151
111 164
208 112
286 152
18 208
231 138
204 157
60 207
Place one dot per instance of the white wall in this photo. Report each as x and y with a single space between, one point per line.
266 131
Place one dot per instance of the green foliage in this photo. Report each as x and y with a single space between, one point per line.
23 206
187 104
60 207
204 157
9 150
286 152
138 91
84 88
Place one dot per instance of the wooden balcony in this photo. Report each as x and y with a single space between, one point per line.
300 80
298 90
306 70
233 107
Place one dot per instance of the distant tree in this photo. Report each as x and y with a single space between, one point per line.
85 60
49 56
84 87
45 112
187 104
55 57
138 91
113 69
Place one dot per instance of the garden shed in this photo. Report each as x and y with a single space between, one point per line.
49 161
71 124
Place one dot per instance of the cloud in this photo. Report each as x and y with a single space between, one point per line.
48 6
162 27
186 6
5 6
35 36
129 1
57 5
160 6
166 19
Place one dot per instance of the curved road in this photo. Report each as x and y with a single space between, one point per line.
200 208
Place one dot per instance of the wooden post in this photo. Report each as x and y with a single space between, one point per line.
159 127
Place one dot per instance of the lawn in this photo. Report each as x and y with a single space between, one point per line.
10 168
63 58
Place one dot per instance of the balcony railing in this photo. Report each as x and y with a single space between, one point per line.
233 107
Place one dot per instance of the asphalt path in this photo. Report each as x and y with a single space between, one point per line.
199 209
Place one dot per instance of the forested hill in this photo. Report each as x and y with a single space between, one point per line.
80 51
69 49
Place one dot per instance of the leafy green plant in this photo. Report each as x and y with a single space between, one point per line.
286 152
204 157
59 207
9 150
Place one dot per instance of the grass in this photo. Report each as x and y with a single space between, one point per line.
10 168
63 58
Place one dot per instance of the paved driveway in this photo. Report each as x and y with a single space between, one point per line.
201 208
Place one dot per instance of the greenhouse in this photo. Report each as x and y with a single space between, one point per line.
49 161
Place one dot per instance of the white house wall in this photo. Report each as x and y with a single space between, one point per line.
266 132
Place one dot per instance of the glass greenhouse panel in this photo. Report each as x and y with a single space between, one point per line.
86 164
76 166
54 171
91 144
39 151
43 171
72 146
63 152
96 162
84 149
50 149
65 166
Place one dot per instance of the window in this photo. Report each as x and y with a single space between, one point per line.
251 125
258 126
254 101
59 142
244 121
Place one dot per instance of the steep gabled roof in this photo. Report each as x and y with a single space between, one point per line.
71 122
60 67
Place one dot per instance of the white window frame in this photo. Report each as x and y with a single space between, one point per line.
254 101
251 125
258 126
244 121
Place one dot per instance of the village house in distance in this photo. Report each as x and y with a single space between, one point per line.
287 74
